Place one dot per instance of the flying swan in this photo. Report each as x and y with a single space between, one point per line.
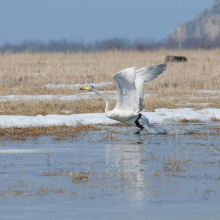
130 96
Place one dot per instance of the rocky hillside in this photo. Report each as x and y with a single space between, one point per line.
205 26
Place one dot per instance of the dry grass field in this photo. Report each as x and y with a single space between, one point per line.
27 74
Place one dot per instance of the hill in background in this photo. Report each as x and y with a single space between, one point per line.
205 27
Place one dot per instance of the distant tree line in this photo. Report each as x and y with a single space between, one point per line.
104 45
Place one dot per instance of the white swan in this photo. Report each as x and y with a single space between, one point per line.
130 96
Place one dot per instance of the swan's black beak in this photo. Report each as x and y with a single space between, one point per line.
81 89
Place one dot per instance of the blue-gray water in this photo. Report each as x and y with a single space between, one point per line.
127 176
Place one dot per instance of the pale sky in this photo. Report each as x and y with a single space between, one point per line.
91 20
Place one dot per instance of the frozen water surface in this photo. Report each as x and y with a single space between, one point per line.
122 175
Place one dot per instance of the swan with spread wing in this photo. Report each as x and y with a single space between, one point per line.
130 96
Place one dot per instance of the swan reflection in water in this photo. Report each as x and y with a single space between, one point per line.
127 161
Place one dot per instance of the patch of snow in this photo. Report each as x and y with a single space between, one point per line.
76 86
145 110
192 97
207 91
77 96
195 97
215 97
53 120
191 103
33 74
162 115
66 112
168 98
11 98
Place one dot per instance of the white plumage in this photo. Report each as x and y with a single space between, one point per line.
130 96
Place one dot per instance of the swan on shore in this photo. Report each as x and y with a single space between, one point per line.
130 96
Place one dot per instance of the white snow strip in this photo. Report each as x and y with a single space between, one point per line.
66 112
53 120
159 116
207 91
192 103
33 74
78 96
192 97
76 86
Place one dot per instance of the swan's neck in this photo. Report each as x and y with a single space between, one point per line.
107 106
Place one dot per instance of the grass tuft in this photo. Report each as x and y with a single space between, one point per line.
184 120
214 119
58 132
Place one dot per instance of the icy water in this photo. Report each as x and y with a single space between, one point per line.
114 174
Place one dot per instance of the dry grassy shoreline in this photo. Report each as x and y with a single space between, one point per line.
57 132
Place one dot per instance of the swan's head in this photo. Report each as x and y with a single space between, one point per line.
88 88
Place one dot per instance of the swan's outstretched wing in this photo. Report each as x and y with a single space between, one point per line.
146 74
127 96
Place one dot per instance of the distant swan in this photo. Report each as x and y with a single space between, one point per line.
130 96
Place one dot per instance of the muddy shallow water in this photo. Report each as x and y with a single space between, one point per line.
114 174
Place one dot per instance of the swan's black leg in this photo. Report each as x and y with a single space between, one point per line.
139 131
138 124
